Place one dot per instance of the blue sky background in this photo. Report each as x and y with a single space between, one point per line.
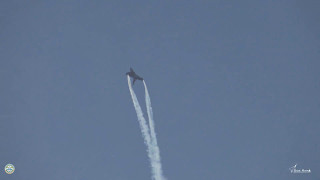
234 87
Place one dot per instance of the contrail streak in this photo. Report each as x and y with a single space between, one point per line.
156 161
142 122
149 135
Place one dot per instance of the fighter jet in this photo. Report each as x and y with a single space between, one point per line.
134 75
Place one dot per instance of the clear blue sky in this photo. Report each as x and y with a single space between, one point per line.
234 86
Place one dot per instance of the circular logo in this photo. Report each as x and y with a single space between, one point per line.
9 168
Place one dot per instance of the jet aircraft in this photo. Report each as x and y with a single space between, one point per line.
134 75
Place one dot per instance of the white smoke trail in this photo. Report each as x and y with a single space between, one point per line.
142 122
156 161
149 135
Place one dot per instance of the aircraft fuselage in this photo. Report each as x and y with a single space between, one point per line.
134 75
